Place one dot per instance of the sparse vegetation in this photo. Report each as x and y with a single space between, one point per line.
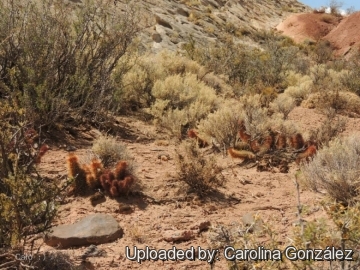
336 169
181 101
64 65
223 125
110 151
201 174
48 60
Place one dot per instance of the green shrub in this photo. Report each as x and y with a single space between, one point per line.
223 124
183 99
59 63
27 200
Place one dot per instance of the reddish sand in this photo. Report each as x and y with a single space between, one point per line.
271 196
306 26
342 32
346 36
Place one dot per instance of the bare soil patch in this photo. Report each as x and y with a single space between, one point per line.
162 205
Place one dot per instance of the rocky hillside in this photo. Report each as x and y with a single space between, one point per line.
174 22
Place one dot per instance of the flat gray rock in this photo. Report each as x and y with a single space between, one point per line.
92 229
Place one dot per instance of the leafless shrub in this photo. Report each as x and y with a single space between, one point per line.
335 168
202 174
335 6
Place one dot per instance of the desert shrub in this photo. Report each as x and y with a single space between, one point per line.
283 104
256 118
218 83
249 66
322 50
351 79
300 90
181 97
134 90
37 260
53 260
328 18
59 63
325 78
251 233
27 200
335 7
329 129
223 124
110 151
336 169
201 174
341 101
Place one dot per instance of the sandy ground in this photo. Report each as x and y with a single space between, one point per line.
272 196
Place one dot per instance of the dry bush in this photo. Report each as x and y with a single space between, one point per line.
110 151
134 88
328 18
256 118
325 78
218 83
301 90
351 79
10 259
181 97
247 66
27 200
174 121
329 129
53 260
201 174
49 60
336 169
283 104
322 51
136 233
341 101
223 124
285 127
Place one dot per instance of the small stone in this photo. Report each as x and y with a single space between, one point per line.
178 236
125 209
97 198
156 37
200 226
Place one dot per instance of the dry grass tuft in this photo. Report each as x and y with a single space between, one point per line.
110 151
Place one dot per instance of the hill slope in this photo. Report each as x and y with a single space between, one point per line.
207 20
341 32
